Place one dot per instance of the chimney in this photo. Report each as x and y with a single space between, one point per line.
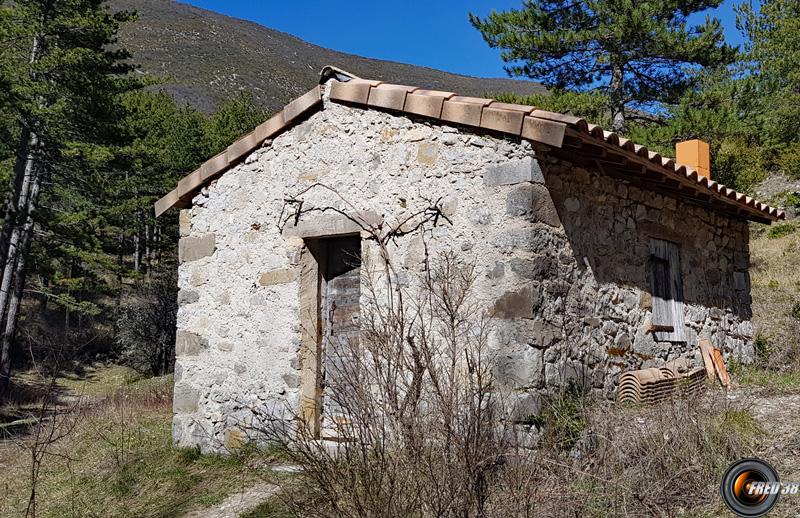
695 154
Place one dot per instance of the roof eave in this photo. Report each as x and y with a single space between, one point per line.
566 134
211 169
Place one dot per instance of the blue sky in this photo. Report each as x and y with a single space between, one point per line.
433 33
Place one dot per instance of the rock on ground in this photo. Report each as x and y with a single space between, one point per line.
238 503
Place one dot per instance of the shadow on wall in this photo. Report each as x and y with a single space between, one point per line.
611 225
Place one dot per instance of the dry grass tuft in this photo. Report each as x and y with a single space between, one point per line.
775 279
118 460
664 460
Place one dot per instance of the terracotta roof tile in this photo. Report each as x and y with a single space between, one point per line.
352 91
502 119
512 107
472 100
243 147
427 103
300 105
189 183
214 165
560 117
463 110
428 106
392 97
167 202
271 127
542 130
526 122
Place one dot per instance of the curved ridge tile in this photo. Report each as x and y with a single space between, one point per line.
611 138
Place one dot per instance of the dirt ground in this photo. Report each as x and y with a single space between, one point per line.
238 503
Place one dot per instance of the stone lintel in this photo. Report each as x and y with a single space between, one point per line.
334 225
649 228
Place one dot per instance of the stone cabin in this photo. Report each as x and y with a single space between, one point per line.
594 254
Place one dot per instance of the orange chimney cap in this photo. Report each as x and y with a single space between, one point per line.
695 154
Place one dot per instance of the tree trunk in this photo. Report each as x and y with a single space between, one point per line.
12 314
14 273
28 142
12 203
157 243
147 249
137 257
617 99
67 313
15 219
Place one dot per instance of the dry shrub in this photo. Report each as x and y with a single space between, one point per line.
670 457
657 461
419 423
422 429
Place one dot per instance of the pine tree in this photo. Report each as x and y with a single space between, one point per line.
772 56
234 117
63 84
638 53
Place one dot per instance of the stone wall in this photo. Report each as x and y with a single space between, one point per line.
570 301
593 288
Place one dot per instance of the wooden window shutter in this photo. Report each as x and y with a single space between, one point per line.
667 287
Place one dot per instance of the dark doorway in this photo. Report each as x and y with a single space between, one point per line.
340 292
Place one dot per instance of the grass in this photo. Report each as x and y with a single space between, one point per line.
775 282
99 380
775 382
273 508
741 423
119 459
563 419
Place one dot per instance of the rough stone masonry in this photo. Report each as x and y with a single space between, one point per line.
563 258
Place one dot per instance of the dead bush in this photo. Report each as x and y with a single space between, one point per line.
631 461
423 430
418 424
146 324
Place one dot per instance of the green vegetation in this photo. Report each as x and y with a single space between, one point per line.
796 311
775 285
774 381
780 230
617 50
272 508
86 152
761 347
605 62
742 424
119 459
563 418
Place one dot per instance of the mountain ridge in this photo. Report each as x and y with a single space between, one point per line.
207 57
